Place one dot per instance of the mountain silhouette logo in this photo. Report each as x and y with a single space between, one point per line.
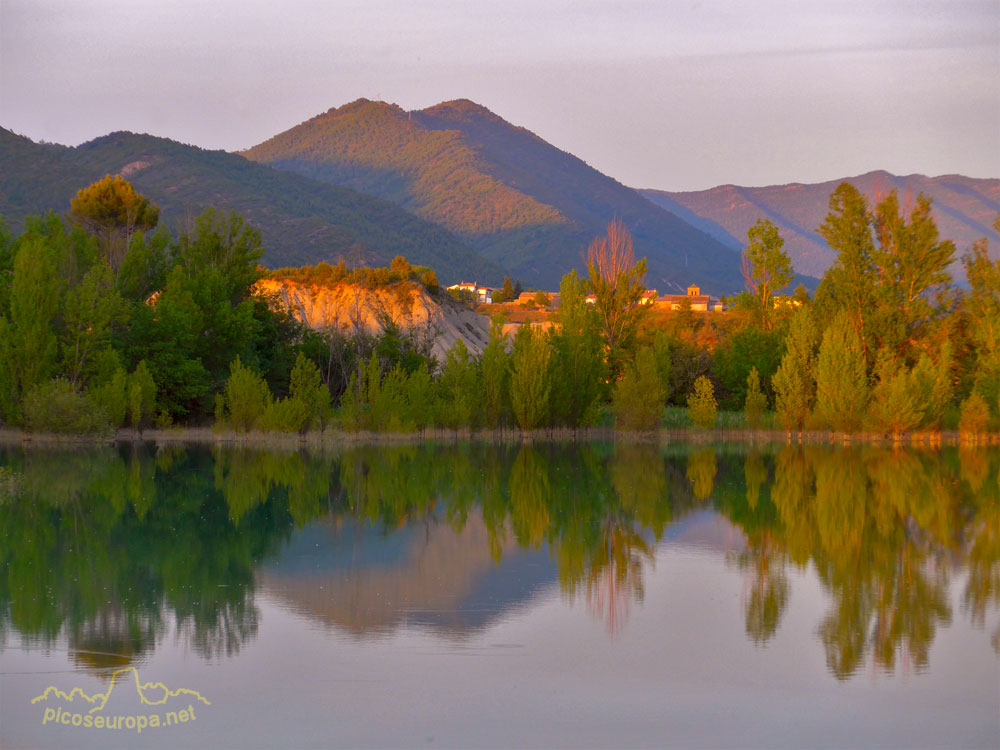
150 693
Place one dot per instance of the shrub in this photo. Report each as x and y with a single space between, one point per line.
285 415
56 406
701 404
308 388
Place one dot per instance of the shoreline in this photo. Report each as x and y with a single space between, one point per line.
341 438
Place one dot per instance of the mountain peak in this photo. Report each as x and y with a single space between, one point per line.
463 110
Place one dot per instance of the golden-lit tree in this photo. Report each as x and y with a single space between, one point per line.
113 211
616 281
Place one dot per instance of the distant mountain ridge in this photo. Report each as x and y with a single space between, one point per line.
301 221
964 208
513 197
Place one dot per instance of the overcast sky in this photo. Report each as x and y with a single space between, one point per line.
667 94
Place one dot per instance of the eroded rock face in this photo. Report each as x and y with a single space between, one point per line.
409 305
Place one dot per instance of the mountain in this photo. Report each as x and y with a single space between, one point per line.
513 197
964 209
301 221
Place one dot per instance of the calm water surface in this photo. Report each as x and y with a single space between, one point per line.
484 596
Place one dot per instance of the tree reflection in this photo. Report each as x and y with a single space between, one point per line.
113 549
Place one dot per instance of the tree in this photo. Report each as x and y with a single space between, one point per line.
795 381
529 380
112 209
141 396
495 364
28 344
308 387
506 291
895 403
638 396
849 283
246 397
616 281
766 267
701 404
577 364
460 389
542 299
981 307
911 261
975 414
90 310
756 401
841 376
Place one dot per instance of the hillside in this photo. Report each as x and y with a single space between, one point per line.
513 197
964 209
301 221
408 304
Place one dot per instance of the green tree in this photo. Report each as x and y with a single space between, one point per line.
577 368
638 396
114 211
795 381
701 404
308 388
981 307
28 344
766 267
460 389
841 377
895 401
616 281
849 284
933 381
246 397
756 401
975 414
495 367
911 261
89 312
529 382
506 291
141 397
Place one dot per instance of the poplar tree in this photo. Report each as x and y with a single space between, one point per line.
577 366
530 385
495 364
849 284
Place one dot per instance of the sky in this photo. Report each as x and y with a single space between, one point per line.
668 94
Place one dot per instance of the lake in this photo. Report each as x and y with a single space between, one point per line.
477 595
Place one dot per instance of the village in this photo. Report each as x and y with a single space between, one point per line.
693 299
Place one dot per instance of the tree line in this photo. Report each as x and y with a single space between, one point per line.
107 320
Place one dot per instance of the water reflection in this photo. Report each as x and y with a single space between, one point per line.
112 549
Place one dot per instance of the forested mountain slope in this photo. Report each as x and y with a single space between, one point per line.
301 221
517 199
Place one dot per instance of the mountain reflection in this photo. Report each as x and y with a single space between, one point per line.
111 550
